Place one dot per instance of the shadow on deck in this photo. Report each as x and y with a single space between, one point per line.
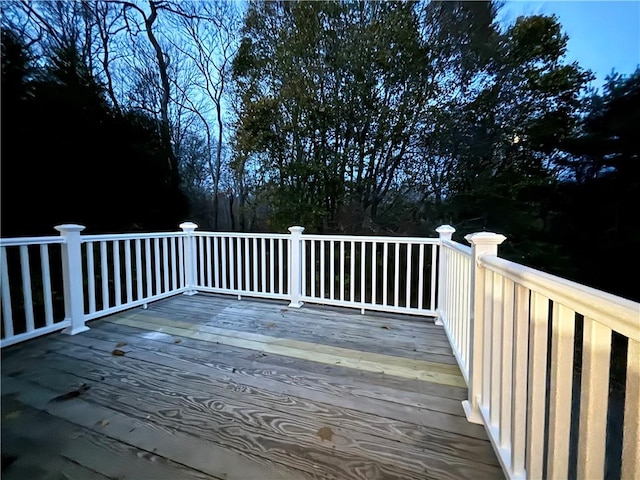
211 387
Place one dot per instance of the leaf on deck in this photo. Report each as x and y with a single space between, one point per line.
118 353
386 327
120 344
103 423
72 394
325 433
177 340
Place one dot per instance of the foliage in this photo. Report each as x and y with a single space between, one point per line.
60 157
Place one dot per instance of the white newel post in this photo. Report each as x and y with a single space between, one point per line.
190 264
72 278
445 232
295 275
483 243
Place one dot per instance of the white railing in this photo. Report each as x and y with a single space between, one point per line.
513 329
27 289
454 296
124 271
388 274
523 386
242 264
54 283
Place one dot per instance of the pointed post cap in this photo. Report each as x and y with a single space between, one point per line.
485 238
445 231
296 229
69 228
188 226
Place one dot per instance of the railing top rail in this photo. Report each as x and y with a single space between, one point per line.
372 238
129 236
464 249
20 241
279 236
617 313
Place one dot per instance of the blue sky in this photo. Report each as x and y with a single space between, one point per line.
603 35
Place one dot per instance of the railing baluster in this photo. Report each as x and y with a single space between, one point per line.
374 271
165 262
594 399
104 273
263 266
519 398
363 291
272 286
147 265
247 265
537 385
562 337
46 284
91 278
174 273
507 362
225 276
631 432
117 278
138 254
323 270
280 267
7 314
385 273
496 351
128 270
486 335
303 268
216 262
396 274
342 271
181 260
208 263
244 258
200 256
352 273
156 258
434 252
254 261
313 268
421 278
332 260
237 263
408 283
26 287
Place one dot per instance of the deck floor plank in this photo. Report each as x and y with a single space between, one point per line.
238 408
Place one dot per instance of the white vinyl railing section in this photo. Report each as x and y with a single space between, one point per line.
517 333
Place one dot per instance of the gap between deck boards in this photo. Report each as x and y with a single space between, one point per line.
444 374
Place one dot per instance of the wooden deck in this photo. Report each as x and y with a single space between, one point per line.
212 387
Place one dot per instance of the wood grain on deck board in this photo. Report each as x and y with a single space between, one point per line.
138 381
338 379
285 437
343 332
269 382
182 448
44 444
401 367
205 307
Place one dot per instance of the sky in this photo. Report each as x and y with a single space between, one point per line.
603 35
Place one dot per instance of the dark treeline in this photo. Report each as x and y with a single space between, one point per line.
376 117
